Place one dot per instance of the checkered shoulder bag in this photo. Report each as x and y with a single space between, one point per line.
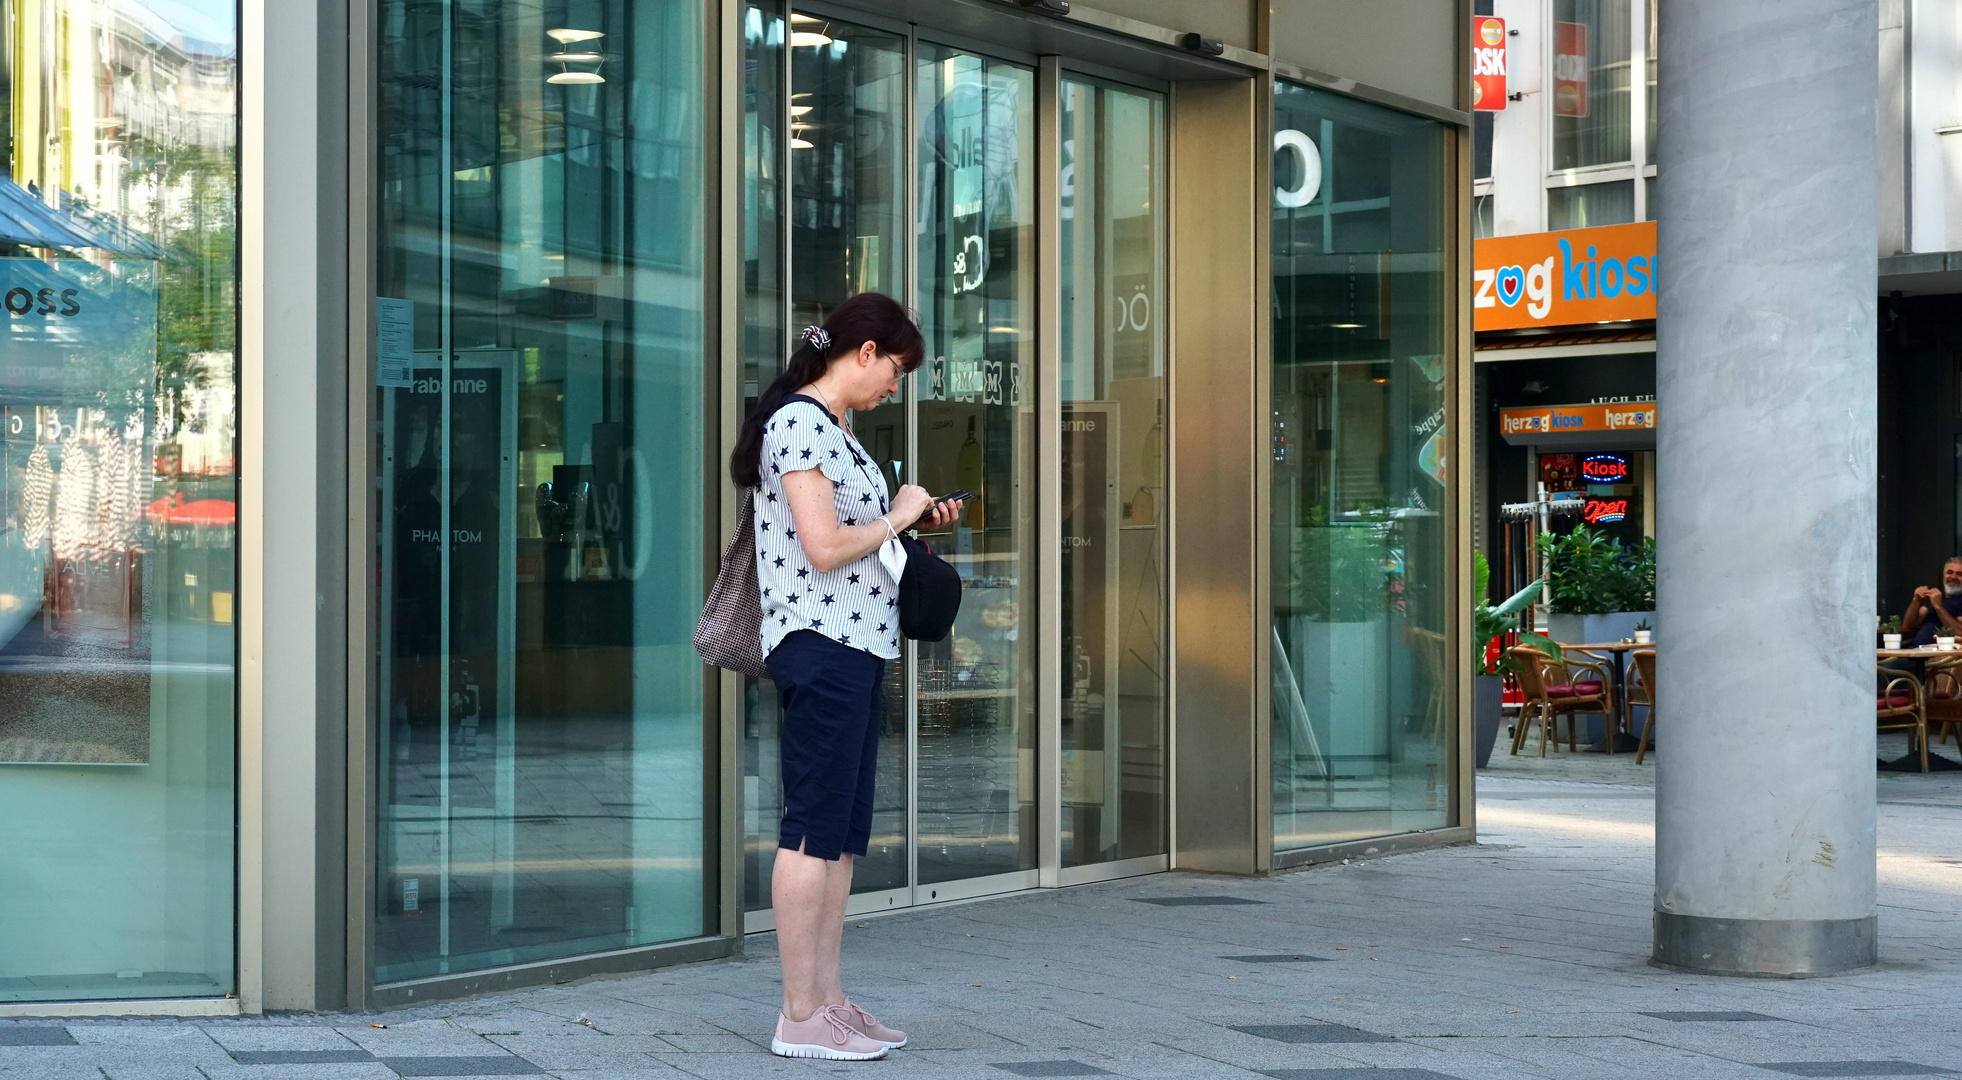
729 633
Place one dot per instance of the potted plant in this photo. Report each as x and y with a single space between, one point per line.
1490 661
1944 638
1890 632
1597 589
1338 632
1644 634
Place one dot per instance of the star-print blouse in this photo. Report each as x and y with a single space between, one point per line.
858 603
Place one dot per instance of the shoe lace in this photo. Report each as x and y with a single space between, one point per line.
865 1017
841 1029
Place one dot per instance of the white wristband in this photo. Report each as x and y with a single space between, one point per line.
891 533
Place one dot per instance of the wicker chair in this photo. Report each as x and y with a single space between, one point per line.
1550 691
1943 704
1645 671
1901 706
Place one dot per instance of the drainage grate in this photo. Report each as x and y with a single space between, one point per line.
1194 901
1713 1017
1362 1073
1313 1033
480 1065
34 1035
1853 1068
301 1057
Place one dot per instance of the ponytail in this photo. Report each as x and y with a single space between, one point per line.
872 317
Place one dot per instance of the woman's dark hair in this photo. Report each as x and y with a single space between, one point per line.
873 317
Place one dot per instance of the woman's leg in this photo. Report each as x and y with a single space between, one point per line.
808 895
837 890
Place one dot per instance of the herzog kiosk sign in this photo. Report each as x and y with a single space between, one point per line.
1564 278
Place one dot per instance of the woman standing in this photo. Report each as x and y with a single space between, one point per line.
830 623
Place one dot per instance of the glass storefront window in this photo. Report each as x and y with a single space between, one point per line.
1584 206
1360 676
1114 709
540 406
118 489
1591 82
976 236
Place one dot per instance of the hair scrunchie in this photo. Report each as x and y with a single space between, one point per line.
818 338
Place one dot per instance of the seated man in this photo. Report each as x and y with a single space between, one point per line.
1935 609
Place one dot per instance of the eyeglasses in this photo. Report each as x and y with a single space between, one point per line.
898 372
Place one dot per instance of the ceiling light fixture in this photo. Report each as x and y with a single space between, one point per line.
809 38
567 37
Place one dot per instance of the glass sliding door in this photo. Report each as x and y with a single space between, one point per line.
976 249
848 236
540 416
1360 676
919 181
1113 641
118 479
846 132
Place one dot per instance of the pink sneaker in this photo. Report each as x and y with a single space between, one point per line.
827 1034
865 1024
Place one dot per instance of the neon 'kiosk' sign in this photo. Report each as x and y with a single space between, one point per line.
1604 469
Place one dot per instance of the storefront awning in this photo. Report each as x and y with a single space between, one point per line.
28 221
1559 345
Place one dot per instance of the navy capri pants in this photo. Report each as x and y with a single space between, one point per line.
829 745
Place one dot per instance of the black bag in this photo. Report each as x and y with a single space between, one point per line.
929 593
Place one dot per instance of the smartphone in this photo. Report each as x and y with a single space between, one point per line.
952 496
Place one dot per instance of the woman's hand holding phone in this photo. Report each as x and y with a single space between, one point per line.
914 508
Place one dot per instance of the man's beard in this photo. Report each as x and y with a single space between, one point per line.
1951 590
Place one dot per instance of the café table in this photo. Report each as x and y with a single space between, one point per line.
1921 652
1618 651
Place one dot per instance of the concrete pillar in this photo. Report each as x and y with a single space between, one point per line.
1765 375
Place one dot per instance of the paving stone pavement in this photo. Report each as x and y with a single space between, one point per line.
1522 956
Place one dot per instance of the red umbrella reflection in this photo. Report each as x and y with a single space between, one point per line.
174 510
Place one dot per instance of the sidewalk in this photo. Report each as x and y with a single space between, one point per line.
1525 956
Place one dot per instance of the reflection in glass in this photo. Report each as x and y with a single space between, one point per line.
1586 205
976 236
765 345
847 236
1591 56
1650 36
1114 711
118 466
1360 678
539 367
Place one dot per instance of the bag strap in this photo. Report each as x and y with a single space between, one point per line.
878 481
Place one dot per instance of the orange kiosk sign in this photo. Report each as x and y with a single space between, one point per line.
1577 419
1564 278
1488 64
